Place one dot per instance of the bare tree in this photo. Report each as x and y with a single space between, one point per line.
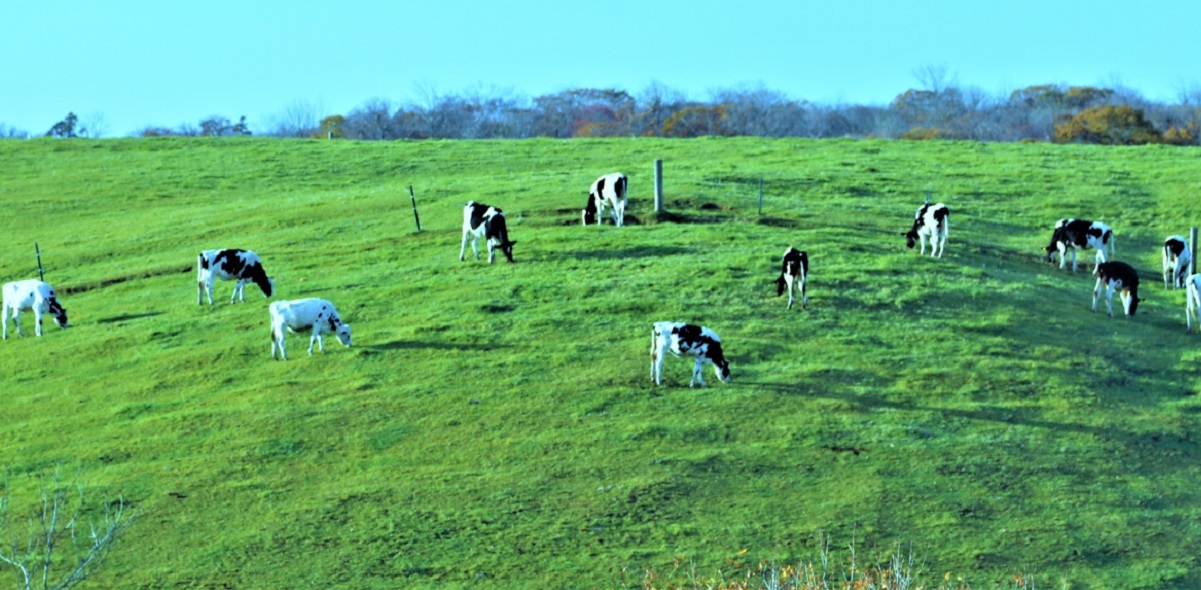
373 120
7 132
299 119
58 550
93 125
933 77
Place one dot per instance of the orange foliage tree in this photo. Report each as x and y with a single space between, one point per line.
695 121
1110 125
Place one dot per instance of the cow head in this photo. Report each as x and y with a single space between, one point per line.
343 333
722 368
59 313
781 285
506 248
911 237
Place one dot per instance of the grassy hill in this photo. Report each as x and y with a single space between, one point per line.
495 426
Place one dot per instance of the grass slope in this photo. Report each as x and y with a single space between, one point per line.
496 426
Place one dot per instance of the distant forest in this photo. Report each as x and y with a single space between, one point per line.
1043 113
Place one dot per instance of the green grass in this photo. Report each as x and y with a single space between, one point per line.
495 426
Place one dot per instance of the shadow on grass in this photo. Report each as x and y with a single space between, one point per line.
425 345
634 252
128 316
1003 415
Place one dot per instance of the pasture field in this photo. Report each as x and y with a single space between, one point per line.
496 427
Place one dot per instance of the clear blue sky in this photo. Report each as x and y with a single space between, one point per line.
171 62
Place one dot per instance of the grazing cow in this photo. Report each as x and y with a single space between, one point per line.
609 189
681 339
31 295
1072 234
1117 276
1176 259
1192 300
482 220
795 269
230 264
931 221
304 315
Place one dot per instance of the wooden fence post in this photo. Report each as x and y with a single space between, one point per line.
658 185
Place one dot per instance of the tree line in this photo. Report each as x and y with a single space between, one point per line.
1045 113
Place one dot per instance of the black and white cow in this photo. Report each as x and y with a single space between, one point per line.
1117 276
681 339
480 220
610 190
1176 259
931 221
32 295
1072 234
1192 300
306 315
793 271
230 264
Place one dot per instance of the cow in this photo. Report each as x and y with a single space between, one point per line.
794 270
931 221
610 190
1176 259
33 295
489 222
1192 300
230 264
1072 234
304 315
1117 276
681 339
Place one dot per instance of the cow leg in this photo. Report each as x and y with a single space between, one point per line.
804 296
207 287
1109 299
5 313
1073 260
277 340
37 319
696 372
658 351
1191 304
1097 293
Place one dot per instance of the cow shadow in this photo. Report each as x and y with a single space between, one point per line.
867 402
128 316
428 345
632 252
